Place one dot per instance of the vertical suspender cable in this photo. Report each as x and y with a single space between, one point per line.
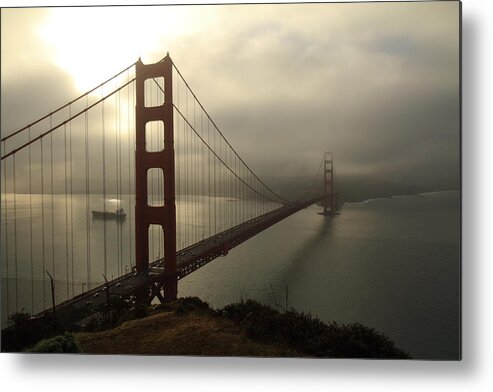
120 179
31 225
103 134
221 187
118 203
244 193
88 223
235 192
66 210
43 224
185 164
224 192
195 175
197 209
201 182
187 190
203 177
177 140
209 177
161 188
214 184
7 277
177 129
194 168
119 188
71 201
228 189
15 239
129 131
131 108
52 208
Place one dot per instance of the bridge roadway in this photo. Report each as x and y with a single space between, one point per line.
72 312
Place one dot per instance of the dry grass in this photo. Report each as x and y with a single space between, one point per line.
248 328
170 334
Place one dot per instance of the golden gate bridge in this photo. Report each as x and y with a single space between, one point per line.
141 139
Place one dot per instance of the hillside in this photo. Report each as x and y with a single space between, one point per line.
189 326
168 333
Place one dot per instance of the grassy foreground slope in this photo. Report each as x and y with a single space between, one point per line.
167 333
189 327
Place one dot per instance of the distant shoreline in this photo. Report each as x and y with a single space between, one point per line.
422 194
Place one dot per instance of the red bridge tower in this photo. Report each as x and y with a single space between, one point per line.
146 215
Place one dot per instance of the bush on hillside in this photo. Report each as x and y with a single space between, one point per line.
309 335
184 305
59 344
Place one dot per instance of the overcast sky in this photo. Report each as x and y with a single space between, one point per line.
377 84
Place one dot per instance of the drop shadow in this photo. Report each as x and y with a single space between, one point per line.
199 367
470 195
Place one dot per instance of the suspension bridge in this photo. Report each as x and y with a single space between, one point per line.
124 191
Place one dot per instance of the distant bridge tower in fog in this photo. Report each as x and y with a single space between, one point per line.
329 201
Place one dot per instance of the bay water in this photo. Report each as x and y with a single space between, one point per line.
392 264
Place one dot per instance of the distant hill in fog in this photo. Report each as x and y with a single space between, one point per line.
353 188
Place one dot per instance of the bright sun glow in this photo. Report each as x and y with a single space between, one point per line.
91 44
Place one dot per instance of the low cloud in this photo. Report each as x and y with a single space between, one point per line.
376 84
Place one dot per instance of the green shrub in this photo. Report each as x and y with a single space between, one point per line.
59 344
189 304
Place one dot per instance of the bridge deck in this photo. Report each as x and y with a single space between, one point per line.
188 260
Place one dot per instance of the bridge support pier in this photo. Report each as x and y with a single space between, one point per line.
146 215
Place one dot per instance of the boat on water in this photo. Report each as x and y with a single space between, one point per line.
118 214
